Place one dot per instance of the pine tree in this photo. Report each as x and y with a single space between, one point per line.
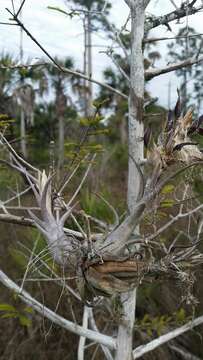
186 45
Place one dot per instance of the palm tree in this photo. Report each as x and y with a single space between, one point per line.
17 91
25 93
7 77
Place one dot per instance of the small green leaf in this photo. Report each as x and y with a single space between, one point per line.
28 310
7 307
99 104
71 144
99 118
99 132
167 189
92 121
24 72
85 122
12 315
24 320
167 203
146 318
161 214
70 14
180 315
95 147
58 9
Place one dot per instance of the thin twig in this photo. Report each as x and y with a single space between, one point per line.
20 8
172 221
81 183
52 316
144 349
81 345
152 40
32 254
7 23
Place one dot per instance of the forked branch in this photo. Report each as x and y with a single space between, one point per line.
184 10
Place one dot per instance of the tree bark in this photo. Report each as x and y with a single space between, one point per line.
81 345
85 65
61 143
89 63
23 133
22 113
136 133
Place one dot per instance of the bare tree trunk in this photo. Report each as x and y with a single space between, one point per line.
89 63
169 94
23 133
61 142
81 345
85 64
22 113
184 92
136 132
61 102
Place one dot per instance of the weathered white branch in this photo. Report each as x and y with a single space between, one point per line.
146 3
21 220
183 11
66 70
136 147
60 281
15 156
93 326
59 67
97 82
81 345
129 2
56 319
144 349
168 38
172 221
116 63
118 38
17 195
151 73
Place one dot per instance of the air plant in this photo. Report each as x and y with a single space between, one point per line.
63 247
174 143
105 266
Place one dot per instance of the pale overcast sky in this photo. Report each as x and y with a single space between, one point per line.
64 37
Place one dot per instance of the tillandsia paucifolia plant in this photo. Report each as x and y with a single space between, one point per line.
107 264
